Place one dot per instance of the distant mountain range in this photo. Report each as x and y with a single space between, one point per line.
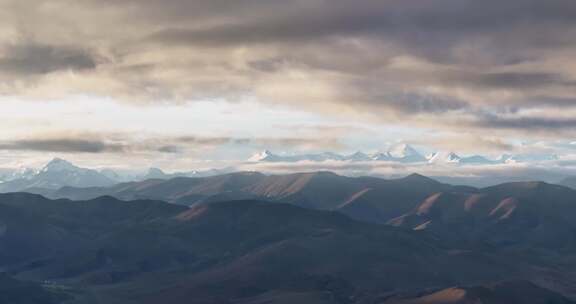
56 174
156 173
60 173
453 158
401 153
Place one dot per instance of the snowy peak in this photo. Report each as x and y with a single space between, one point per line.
402 153
453 158
444 157
56 174
264 156
401 150
58 164
267 156
504 158
405 153
381 156
23 173
155 173
358 156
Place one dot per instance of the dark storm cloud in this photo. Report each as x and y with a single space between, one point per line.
374 93
33 59
127 143
525 123
426 13
171 149
426 23
501 80
171 11
521 80
61 145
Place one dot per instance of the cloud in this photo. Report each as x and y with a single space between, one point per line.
422 23
61 145
525 123
170 149
133 144
521 80
466 143
31 59
398 62
261 142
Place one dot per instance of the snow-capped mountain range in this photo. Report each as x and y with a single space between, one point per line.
60 173
157 173
453 158
55 174
401 153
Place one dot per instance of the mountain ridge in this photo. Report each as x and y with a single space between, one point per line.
319 190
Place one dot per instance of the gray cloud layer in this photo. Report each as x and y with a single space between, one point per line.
32 59
128 143
425 62
61 145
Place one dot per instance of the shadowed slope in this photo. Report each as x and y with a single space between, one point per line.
260 249
232 252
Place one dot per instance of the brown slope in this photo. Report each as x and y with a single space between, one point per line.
499 293
393 198
318 190
532 213
364 198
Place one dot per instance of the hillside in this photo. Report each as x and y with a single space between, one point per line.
148 251
364 198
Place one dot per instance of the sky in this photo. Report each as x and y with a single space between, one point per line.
183 84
